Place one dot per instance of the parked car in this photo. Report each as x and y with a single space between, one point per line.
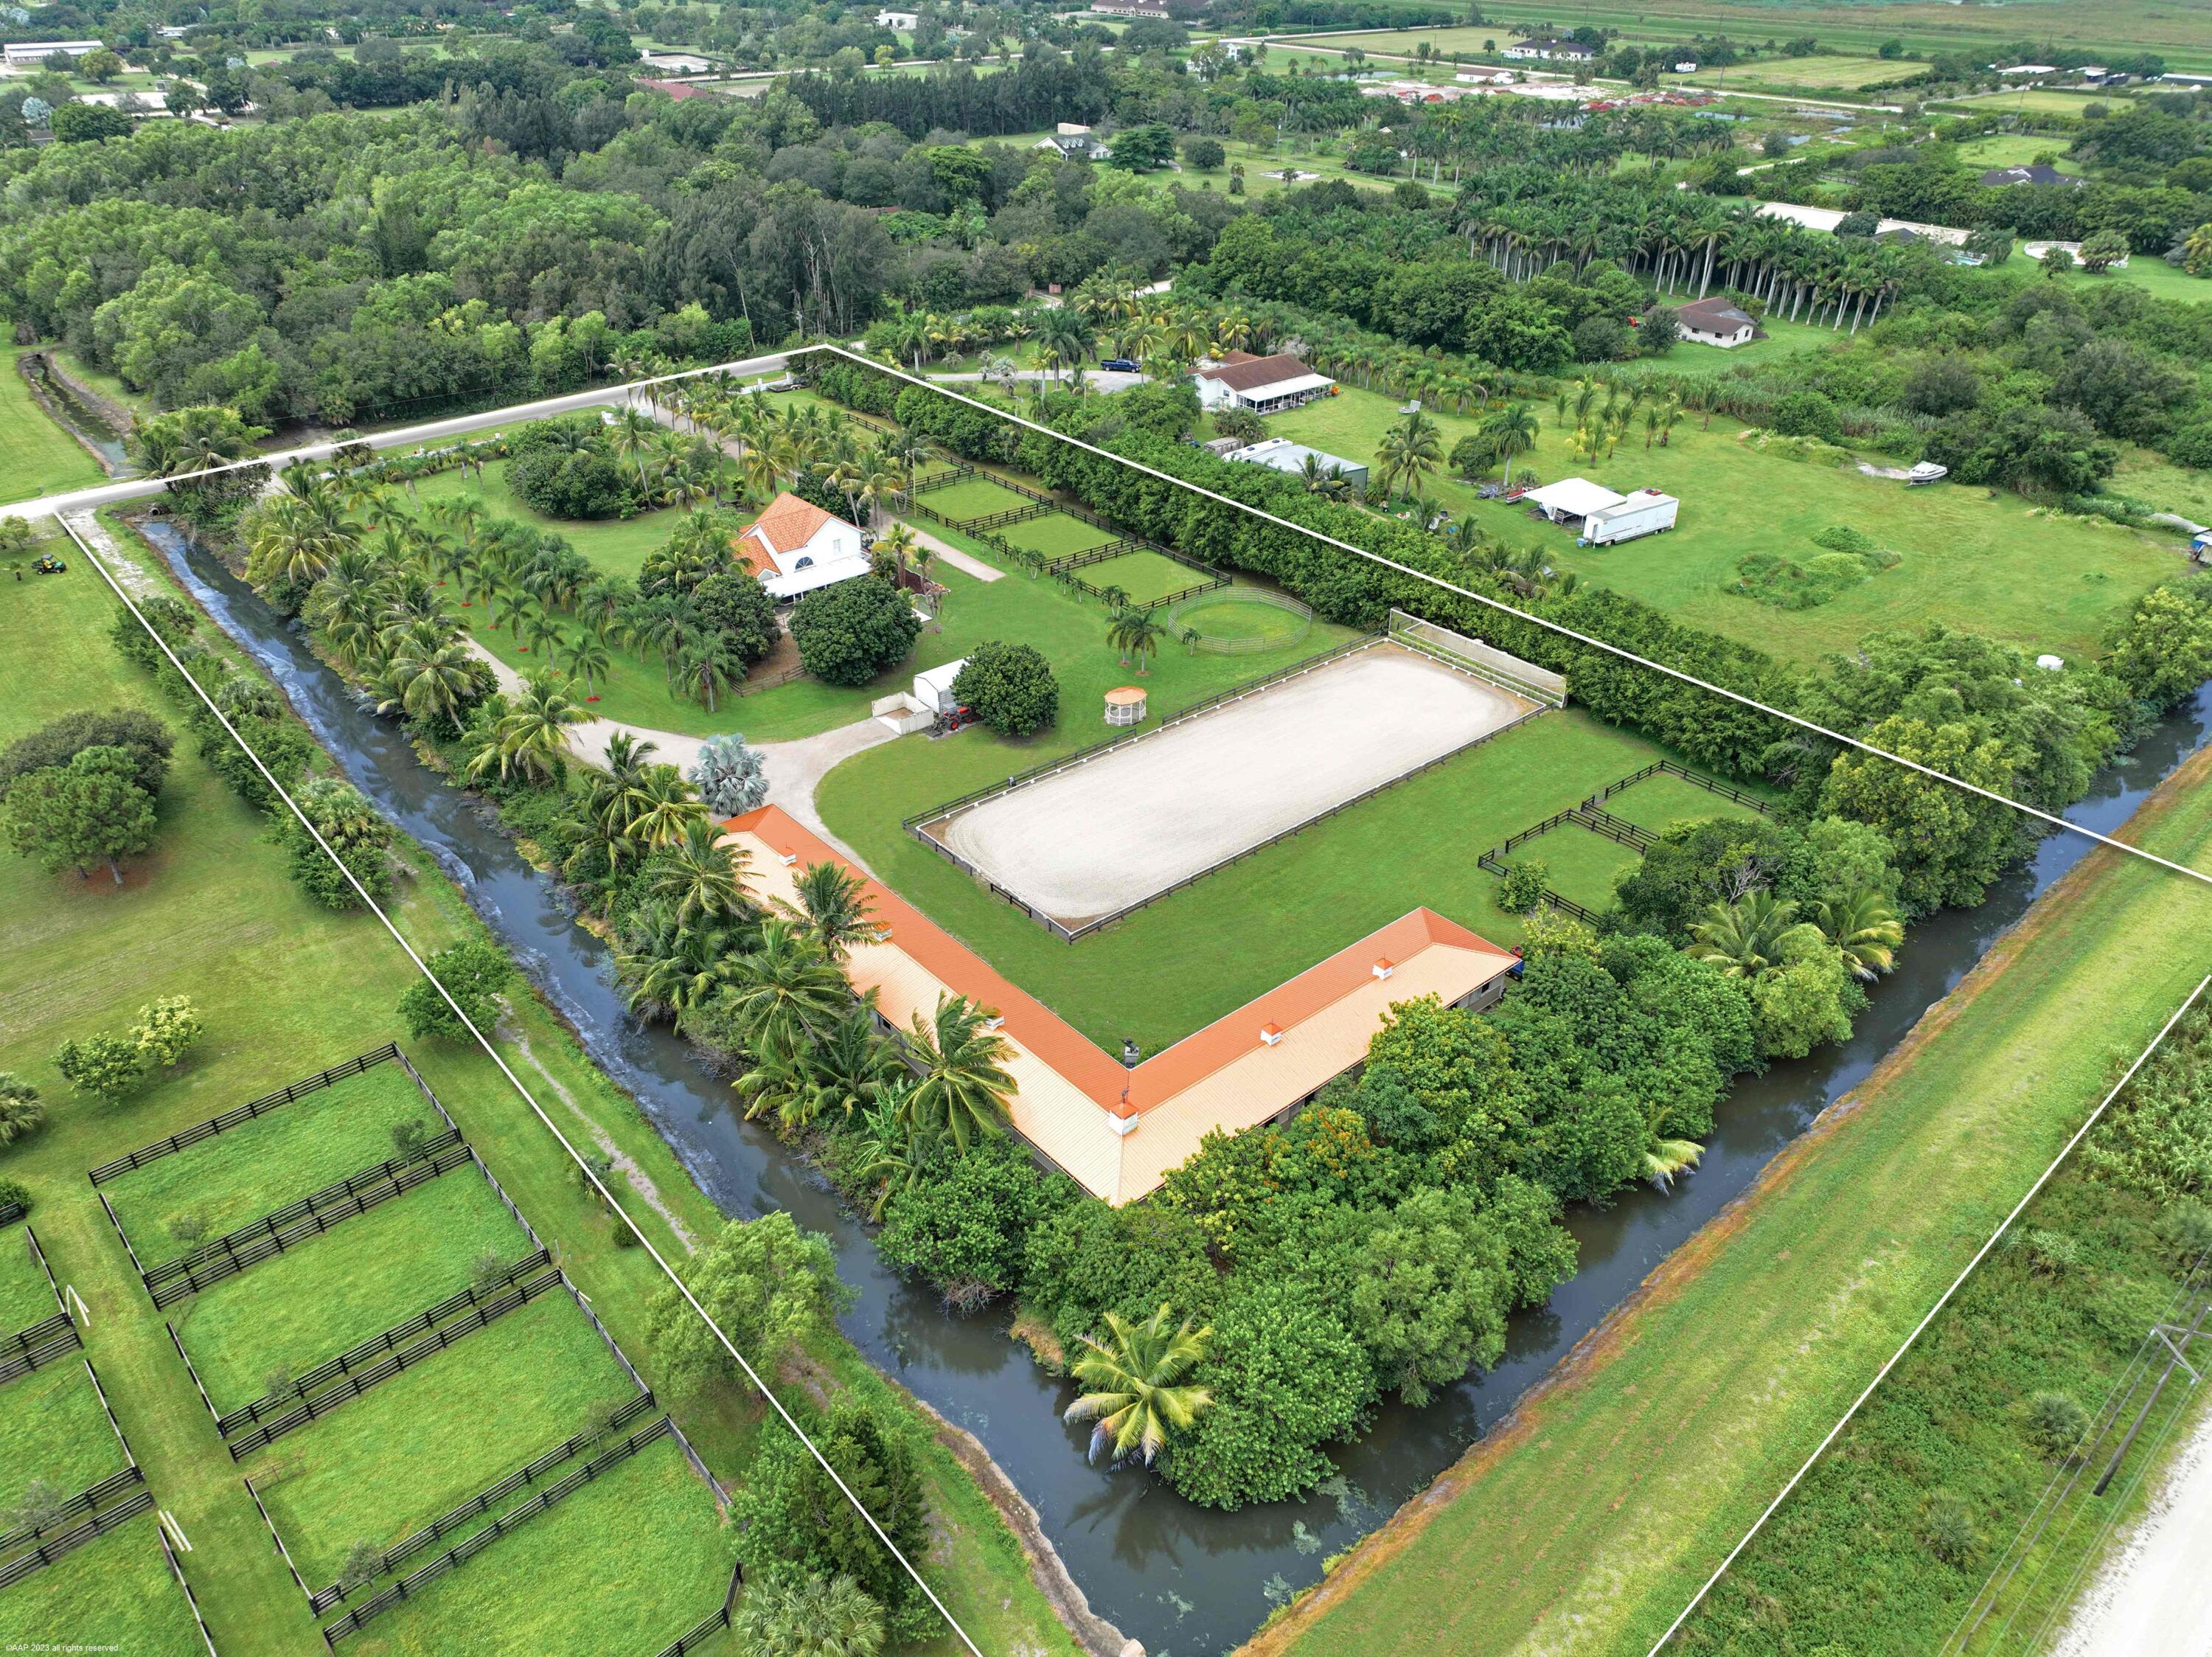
1119 365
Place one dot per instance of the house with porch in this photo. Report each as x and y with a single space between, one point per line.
1265 385
795 547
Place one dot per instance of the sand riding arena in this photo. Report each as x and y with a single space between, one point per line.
1083 842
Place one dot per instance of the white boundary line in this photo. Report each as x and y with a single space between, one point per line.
608 1196
1438 581
1920 1328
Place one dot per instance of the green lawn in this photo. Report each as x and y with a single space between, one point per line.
1584 1524
1659 802
52 1428
114 1594
36 457
615 546
401 1454
1206 950
282 983
1056 535
1582 865
235 1178
1222 615
1817 74
1783 338
972 497
2008 150
2165 487
26 1296
2151 273
1145 575
628 1563
375 1271
1992 565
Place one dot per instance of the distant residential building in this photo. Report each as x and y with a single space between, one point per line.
30 54
1265 385
907 22
1549 50
1130 9
1076 142
676 90
1717 322
1281 454
794 547
675 62
1998 176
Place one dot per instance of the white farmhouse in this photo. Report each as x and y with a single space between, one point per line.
795 547
1716 322
1265 385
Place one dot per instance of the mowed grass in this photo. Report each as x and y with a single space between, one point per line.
614 546
401 1454
52 1428
233 1179
36 457
1145 575
973 497
113 1594
627 1563
1658 802
1585 1524
1990 565
1580 864
1800 74
1222 615
1057 535
1206 950
356 1280
26 1296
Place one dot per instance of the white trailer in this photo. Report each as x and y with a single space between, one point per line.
1645 512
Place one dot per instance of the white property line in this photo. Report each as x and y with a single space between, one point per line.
1920 1328
605 1195
1564 631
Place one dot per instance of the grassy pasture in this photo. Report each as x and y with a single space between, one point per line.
113 1594
52 1428
614 546
235 1178
1057 535
972 497
1143 575
26 1296
1660 801
403 1452
36 457
1820 74
1582 866
374 1270
1222 615
629 1562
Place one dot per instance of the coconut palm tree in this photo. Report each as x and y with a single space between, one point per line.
889 1151
1409 452
1864 926
673 966
818 1616
634 435
834 906
1510 431
1745 939
530 737
788 990
1134 1394
962 1091
898 542
428 682
701 876
1136 633
662 806
586 658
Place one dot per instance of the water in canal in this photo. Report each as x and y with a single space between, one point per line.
1183 1579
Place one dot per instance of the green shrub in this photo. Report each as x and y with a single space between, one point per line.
578 484
849 633
1010 687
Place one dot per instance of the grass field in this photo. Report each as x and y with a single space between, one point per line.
1222 615
2008 150
1819 75
52 1428
628 1563
114 1594
212 913
1585 1523
1658 802
403 1452
1581 866
2154 276
26 1296
972 497
36 457
2151 477
1145 575
1056 535
2039 100
1783 338
1988 564
356 1280
616 546
1208 949
235 1178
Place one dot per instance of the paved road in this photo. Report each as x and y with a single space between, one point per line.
1098 380
432 431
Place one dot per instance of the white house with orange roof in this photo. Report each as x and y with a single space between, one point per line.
794 547
1118 1130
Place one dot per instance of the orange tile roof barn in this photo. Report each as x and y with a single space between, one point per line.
1120 1130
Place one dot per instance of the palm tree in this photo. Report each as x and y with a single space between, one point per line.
674 966
428 682
587 658
701 875
788 989
1864 926
1744 938
834 903
1135 1396
635 434
1135 633
1409 452
852 1067
820 1617
889 1150
1510 431
962 1090
531 736
662 806
898 542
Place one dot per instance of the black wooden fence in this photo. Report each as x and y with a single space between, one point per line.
38 1345
366 1352
1668 768
477 1541
710 1625
12 1212
243 1113
86 1501
76 1536
315 1215
395 1362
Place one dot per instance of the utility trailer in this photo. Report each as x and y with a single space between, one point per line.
1645 512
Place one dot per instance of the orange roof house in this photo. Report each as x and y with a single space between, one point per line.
1118 1131
794 547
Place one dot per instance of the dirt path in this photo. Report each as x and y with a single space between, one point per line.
2153 1597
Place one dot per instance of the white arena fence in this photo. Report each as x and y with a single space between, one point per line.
1507 672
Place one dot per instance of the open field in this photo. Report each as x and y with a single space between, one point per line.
233 1179
211 913
1602 1504
1056 535
1156 811
113 1594
2151 477
36 457
1658 802
52 1428
1992 565
403 1452
26 1296
1817 75
1144 577
2154 276
1580 866
627 1563
2041 100
1783 338
1206 950
373 1272
616 546
2010 150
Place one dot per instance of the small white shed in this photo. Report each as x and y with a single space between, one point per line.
933 686
1645 512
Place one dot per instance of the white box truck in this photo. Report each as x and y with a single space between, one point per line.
1645 512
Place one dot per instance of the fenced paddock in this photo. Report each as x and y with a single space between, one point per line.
54 1426
1246 621
115 1587
1057 535
1082 842
1147 578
